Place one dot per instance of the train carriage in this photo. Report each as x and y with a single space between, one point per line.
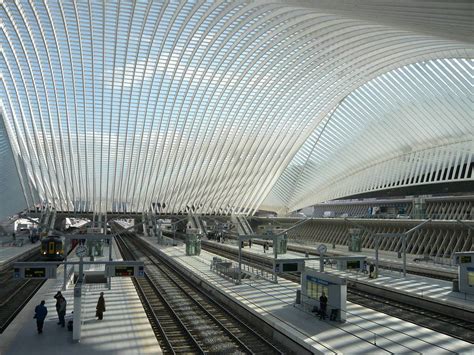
52 248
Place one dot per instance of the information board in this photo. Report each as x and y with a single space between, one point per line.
35 273
290 267
34 270
124 270
464 259
353 264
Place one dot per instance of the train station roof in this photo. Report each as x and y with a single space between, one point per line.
230 106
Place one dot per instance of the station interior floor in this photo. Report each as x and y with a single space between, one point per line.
126 330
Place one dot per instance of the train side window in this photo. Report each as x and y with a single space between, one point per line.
470 278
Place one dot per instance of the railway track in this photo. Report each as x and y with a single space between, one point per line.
442 323
15 294
193 322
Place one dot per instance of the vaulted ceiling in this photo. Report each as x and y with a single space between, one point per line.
231 106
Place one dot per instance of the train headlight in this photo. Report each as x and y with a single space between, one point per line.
57 252
44 253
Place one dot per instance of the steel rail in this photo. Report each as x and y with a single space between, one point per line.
239 324
123 251
172 312
18 308
229 332
258 261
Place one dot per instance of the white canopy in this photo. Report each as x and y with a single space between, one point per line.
228 106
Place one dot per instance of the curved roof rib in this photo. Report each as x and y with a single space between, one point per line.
410 126
205 106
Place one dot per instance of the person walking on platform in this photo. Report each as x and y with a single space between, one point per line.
62 311
100 309
323 305
40 314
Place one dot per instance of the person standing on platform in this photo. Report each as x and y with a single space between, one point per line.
57 296
100 309
250 243
323 305
40 314
62 311
372 271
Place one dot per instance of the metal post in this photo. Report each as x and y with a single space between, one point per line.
275 257
404 247
81 269
76 333
240 262
65 264
321 262
376 256
109 280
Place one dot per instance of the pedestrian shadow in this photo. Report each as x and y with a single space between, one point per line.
91 320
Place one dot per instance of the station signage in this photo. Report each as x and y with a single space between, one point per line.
124 269
318 280
289 266
39 271
35 273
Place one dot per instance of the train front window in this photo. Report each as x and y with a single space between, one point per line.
51 247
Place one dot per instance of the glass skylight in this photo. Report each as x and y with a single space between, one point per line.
216 106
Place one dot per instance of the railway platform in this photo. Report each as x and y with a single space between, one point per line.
365 331
413 285
10 252
124 330
433 265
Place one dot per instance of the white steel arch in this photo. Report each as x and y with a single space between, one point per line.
410 126
223 106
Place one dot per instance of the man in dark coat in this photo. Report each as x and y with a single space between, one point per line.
100 309
40 314
62 311
323 305
372 271
57 297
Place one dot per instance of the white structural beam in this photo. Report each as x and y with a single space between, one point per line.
229 106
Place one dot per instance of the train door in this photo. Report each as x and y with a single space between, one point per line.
51 247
